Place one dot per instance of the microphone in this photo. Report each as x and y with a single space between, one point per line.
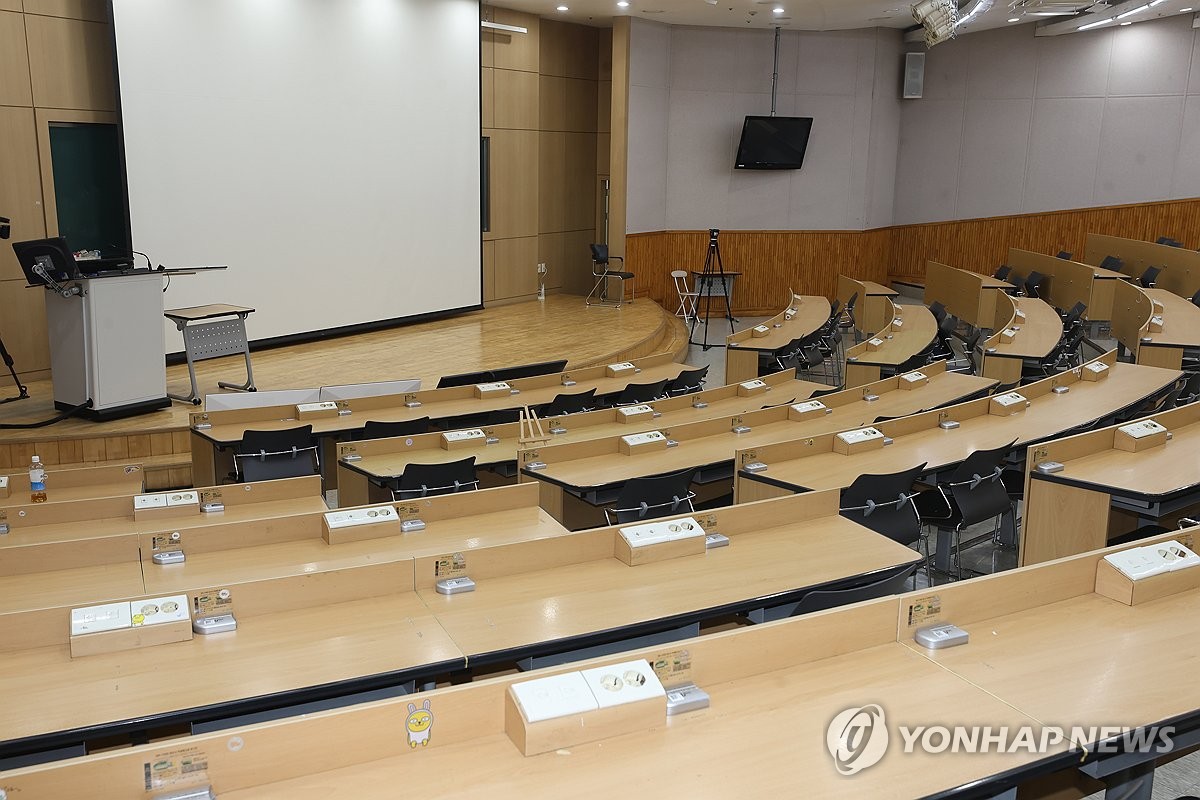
5 227
134 252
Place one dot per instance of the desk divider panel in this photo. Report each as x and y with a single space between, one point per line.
961 292
299 746
519 557
49 556
1070 281
117 475
1132 309
1180 267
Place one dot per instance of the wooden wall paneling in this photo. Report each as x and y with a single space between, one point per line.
569 50
552 180
92 10
567 256
487 98
579 209
489 271
517 100
619 139
20 189
71 63
515 50
516 267
15 89
514 183
552 251
10 5
23 326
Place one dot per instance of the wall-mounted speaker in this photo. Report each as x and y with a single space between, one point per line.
914 75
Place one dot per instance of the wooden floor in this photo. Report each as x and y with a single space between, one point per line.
559 327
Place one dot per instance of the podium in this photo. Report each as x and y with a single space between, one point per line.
106 345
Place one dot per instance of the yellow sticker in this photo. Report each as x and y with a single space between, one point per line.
408 511
210 496
923 609
451 565
184 767
172 540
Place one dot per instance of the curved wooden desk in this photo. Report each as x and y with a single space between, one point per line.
79 483
592 470
366 468
1034 327
967 295
804 315
210 445
1180 331
873 308
910 330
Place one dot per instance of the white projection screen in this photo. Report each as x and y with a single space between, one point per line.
328 151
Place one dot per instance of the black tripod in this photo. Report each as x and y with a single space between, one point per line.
712 276
8 362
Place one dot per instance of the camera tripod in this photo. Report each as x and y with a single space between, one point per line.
711 277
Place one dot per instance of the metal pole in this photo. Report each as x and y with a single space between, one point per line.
775 72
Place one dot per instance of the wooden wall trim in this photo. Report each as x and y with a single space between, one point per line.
808 262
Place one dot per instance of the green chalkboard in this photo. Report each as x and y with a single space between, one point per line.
88 190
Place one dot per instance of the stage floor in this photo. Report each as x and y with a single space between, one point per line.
520 333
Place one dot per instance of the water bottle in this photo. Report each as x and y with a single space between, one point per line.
37 481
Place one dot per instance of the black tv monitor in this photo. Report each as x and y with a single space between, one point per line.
53 255
773 142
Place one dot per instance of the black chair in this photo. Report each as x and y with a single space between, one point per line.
1111 262
569 404
1149 277
1191 390
482 419
969 348
846 321
1168 241
1018 284
602 274
1002 272
431 480
637 393
1075 315
821 599
974 493
528 370
938 310
270 455
653 497
466 379
386 430
884 503
687 382
1033 283
1163 400
1064 255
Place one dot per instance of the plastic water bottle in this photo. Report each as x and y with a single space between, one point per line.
37 481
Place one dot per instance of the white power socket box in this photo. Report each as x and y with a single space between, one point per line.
860 435
3 486
751 388
620 368
474 434
1096 368
914 377
659 532
642 442
327 407
182 499
1155 559
158 610
1010 399
807 410
553 697
146 502
337 520
758 331
897 323
618 684
1140 430
874 343
498 386
634 411
93 619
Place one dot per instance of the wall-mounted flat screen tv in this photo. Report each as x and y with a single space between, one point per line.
773 142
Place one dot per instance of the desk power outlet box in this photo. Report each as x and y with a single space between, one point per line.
1050 467
195 793
714 540
948 424
939 637
755 466
412 525
220 623
169 557
1061 389
454 585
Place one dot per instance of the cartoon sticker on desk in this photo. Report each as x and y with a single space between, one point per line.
419 723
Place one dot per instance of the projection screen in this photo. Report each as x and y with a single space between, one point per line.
328 152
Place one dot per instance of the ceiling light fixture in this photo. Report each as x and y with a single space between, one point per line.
622 3
1091 25
1014 19
563 8
1137 10
777 10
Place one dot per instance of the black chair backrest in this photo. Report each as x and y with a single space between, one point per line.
529 370
1168 241
1064 255
938 310
1191 389
835 308
851 303
430 480
295 457
862 502
1033 282
654 496
1149 277
976 486
1196 298
479 420
821 599
466 379
386 430
569 404
973 341
1001 272
599 253
1074 315
688 381
1111 262
1018 282
636 393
